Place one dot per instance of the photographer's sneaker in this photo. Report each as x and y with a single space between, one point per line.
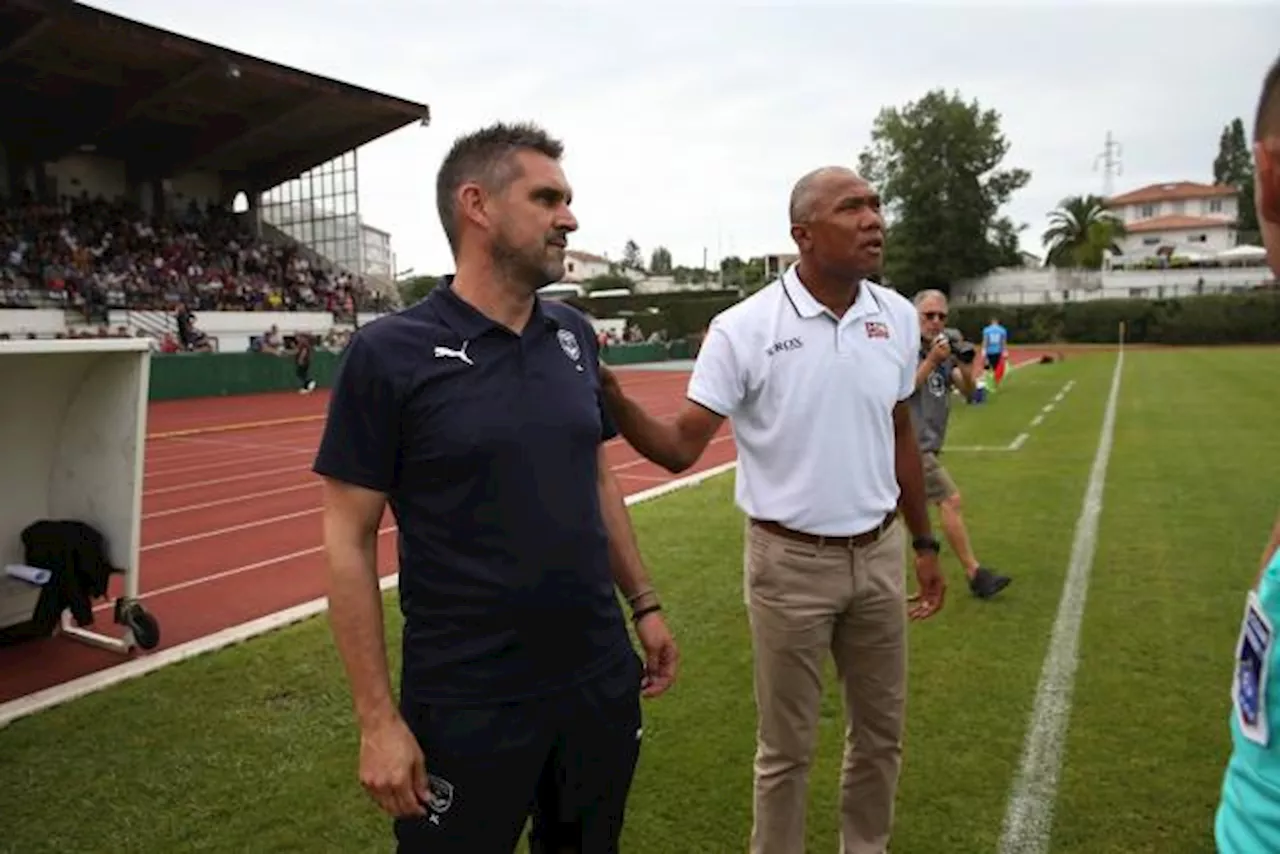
986 583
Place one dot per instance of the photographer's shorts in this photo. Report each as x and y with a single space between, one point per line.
938 485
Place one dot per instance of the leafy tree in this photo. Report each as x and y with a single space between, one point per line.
690 275
1234 165
631 256
660 262
416 287
747 276
1081 230
936 163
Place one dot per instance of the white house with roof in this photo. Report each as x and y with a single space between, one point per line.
580 266
1179 218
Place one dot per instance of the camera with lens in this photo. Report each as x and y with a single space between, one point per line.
963 350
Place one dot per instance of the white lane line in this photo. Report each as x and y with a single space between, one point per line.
218 532
1028 821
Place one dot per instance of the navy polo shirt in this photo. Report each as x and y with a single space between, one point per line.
486 444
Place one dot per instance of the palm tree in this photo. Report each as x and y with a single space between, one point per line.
1081 230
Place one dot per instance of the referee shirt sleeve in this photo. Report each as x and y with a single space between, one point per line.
361 439
717 382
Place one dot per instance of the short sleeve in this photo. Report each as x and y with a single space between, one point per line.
911 354
361 438
718 382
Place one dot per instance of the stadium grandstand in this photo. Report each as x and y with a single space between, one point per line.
143 172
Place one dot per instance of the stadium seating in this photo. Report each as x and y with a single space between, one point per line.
95 255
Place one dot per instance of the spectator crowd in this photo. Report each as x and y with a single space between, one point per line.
95 255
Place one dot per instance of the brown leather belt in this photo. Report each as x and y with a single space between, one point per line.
852 541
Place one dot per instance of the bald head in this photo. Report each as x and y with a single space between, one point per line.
809 192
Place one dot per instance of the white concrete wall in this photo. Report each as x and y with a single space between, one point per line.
1027 287
42 321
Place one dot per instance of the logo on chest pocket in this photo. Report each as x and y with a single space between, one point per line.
569 344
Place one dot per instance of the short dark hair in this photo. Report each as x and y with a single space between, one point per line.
485 156
1267 122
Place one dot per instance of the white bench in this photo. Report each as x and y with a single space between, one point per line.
73 423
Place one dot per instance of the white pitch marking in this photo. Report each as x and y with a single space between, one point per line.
1028 822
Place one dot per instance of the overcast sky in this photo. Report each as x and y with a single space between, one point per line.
686 123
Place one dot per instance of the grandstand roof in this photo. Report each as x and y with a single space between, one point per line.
75 78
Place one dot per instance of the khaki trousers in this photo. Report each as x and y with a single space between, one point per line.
803 601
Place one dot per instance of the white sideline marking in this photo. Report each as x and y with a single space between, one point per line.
76 688
1021 438
645 478
1028 821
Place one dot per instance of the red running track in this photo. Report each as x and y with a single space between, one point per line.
231 524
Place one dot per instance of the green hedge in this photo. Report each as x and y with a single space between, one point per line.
680 314
1247 318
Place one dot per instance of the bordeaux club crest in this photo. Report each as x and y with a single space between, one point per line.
569 343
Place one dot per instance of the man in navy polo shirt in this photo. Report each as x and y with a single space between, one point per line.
476 416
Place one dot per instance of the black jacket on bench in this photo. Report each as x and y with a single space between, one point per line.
76 554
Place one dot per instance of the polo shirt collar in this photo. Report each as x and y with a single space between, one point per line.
807 306
467 320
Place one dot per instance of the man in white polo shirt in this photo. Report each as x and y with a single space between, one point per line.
814 371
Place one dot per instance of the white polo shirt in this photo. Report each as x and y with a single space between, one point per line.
811 401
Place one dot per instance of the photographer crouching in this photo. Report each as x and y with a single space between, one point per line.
946 360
